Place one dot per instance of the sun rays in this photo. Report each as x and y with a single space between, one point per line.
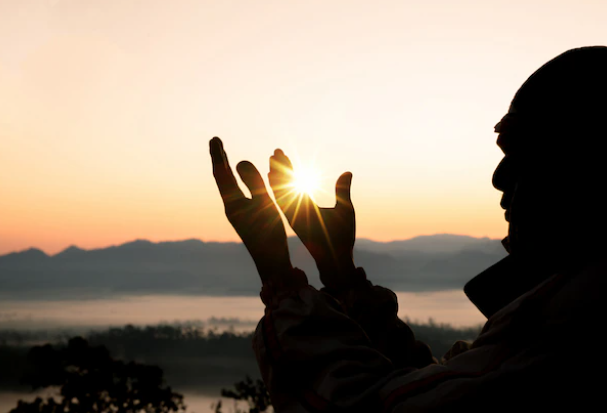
294 188
298 188
298 181
305 181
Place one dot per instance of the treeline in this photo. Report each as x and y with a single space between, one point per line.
191 357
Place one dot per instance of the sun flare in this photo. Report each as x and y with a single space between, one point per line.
306 181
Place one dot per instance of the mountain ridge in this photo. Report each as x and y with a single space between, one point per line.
195 267
416 241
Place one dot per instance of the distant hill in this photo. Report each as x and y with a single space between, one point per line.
432 244
194 267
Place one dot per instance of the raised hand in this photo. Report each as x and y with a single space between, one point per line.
327 233
256 220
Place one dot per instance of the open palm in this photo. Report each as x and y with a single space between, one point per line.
256 219
327 233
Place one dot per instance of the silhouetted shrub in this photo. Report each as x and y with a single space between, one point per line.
91 381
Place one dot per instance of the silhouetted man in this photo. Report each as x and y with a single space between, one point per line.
344 349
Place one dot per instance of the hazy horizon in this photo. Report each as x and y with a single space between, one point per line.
449 307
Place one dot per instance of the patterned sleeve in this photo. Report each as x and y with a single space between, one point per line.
313 357
375 309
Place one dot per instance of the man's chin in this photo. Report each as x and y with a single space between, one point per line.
506 244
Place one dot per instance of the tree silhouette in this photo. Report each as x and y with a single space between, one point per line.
91 381
253 392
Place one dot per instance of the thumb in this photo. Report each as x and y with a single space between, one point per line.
342 189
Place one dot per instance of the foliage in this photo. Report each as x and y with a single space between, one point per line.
91 381
191 357
253 392
440 337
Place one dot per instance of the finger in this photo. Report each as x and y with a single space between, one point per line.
342 190
253 180
281 169
224 177
282 158
281 177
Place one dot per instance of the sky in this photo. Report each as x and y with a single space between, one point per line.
107 107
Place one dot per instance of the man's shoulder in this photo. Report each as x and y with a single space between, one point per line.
567 301
581 297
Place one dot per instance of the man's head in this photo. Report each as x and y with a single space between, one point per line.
554 168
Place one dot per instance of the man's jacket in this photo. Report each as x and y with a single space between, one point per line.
537 352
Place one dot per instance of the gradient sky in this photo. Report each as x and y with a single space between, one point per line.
107 107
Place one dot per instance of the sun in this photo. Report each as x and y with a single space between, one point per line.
306 180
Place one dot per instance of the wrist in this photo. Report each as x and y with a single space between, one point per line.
273 270
287 284
340 265
339 281
339 272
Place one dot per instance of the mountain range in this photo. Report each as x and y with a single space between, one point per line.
194 267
